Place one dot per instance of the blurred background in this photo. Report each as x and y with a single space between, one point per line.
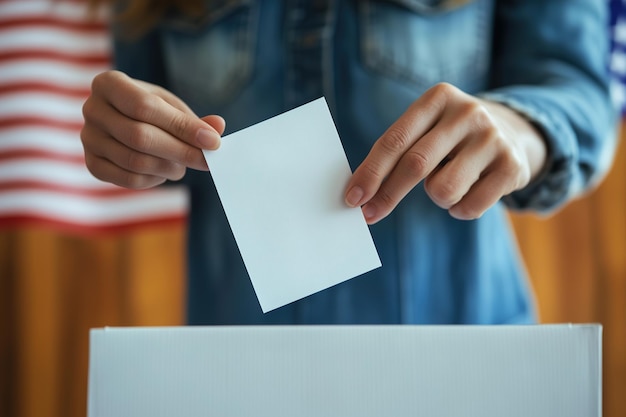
76 253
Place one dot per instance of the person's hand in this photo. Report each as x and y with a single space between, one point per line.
469 152
138 135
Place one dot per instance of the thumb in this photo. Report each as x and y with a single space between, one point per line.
216 122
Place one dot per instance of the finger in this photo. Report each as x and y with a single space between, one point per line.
421 160
486 192
105 170
142 137
506 173
451 182
218 123
130 99
103 146
419 118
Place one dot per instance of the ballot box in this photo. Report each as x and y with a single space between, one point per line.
346 371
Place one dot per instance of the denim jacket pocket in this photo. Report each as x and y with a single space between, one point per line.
423 42
209 59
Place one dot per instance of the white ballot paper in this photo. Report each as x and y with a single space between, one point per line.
282 183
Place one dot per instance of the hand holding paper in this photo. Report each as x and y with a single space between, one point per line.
282 185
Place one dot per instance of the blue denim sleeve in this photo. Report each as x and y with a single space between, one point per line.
551 65
140 58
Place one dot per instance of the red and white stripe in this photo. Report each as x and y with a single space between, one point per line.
49 53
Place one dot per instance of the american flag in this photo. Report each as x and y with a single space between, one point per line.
617 64
49 53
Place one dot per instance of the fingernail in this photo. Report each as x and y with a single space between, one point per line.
354 196
208 139
369 211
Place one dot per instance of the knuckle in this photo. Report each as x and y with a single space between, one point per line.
514 166
385 200
415 164
490 139
102 82
179 124
474 108
89 144
443 193
439 96
135 181
138 162
493 135
509 158
85 137
372 170
395 140
143 106
477 112
478 116
92 167
443 93
444 89
177 172
140 137
189 156
88 109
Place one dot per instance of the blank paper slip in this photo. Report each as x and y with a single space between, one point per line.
282 183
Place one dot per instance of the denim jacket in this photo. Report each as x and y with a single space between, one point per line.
250 60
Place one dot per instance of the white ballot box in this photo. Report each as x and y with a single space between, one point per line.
346 371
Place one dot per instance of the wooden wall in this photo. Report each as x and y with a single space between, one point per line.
577 261
54 287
